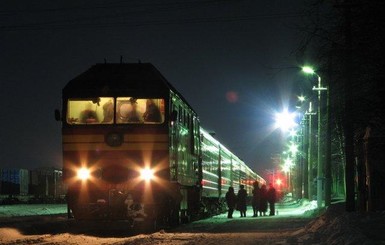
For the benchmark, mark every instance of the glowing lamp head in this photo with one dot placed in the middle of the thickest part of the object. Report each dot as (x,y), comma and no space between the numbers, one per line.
(285,120)
(83,173)
(308,70)
(278,182)
(147,174)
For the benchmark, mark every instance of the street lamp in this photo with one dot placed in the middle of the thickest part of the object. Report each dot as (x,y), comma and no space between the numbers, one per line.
(285,120)
(320,176)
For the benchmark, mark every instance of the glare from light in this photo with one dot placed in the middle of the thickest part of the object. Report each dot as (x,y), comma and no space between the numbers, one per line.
(147,174)
(285,120)
(286,168)
(288,164)
(293,148)
(293,133)
(308,70)
(278,182)
(83,173)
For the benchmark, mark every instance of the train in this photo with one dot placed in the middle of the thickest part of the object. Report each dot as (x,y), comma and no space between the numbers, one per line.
(134,149)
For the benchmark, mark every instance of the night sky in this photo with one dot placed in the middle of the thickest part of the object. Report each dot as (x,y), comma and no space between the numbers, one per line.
(233,60)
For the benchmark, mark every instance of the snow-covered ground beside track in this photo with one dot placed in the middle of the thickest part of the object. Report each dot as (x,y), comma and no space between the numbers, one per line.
(296,223)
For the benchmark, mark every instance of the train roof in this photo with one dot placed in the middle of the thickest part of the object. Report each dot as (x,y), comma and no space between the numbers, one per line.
(119,79)
(109,78)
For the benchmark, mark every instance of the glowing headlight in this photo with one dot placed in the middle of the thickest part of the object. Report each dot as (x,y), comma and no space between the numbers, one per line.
(146,174)
(83,173)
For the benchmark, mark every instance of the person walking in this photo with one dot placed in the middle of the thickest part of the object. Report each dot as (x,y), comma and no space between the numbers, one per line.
(231,200)
(271,198)
(263,201)
(241,204)
(256,199)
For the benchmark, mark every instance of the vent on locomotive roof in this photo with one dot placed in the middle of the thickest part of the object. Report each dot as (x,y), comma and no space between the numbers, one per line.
(121,60)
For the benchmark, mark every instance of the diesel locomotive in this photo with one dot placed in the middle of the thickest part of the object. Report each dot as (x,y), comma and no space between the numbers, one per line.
(133,149)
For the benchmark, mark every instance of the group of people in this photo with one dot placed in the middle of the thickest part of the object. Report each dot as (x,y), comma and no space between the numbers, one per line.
(131,114)
(127,112)
(262,197)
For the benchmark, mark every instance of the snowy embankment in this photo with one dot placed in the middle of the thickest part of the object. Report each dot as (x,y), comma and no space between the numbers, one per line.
(32,209)
(331,226)
(336,226)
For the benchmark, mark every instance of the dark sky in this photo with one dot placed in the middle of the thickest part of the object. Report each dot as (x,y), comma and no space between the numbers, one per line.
(205,48)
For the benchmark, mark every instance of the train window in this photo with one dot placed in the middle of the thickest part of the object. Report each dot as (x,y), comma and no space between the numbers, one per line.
(90,111)
(180,114)
(131,110)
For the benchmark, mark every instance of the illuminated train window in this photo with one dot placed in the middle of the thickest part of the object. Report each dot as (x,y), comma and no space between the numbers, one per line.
(138,110)
(129,110)
(90,111)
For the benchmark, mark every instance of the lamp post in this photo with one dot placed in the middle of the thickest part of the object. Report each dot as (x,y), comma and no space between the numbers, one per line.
(309,113)
(320,174)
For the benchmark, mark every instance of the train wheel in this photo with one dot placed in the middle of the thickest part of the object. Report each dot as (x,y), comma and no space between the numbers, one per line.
(184,217)
(147,225)
(152,222)
(79,214)
(152,225)
(174,216)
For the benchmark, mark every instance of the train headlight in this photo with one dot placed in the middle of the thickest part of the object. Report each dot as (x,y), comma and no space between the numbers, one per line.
(83,174)
(147,174)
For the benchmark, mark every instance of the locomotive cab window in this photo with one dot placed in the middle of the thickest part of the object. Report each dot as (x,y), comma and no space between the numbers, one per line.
(90,111)
(127,110)
(131,110)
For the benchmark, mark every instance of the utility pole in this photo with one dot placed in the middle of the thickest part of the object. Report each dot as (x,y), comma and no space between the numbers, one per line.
(328,174)
(320,165)
(310,114)
(304,158)
(348,128)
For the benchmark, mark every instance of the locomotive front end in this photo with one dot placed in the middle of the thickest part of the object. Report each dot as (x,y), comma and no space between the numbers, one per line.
(115,144)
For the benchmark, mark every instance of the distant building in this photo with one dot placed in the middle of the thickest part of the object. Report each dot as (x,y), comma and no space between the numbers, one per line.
(14,181)
(47,182)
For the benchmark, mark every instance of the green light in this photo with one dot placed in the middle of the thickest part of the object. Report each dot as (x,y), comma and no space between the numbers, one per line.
(288,163)
(293,133)
(293,148)
(301,98)
(285,168)
(308,69)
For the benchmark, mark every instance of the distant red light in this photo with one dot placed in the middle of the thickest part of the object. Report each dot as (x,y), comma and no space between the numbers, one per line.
(232,96)
(278,182)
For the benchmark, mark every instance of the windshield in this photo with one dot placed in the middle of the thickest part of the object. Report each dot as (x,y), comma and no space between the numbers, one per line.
(125,110)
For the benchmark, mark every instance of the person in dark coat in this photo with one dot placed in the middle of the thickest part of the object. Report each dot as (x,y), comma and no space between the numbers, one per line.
(263,201)
(271,198)
(133,115)
(231,200)
(89,115)
(152,113)
(256,199)
(241,204)
(108,112)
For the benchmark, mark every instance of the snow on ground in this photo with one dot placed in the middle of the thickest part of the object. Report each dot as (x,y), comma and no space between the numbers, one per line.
(32,209)
(289,208)
(335,226)
(296,223)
